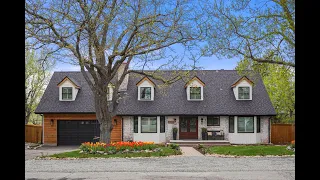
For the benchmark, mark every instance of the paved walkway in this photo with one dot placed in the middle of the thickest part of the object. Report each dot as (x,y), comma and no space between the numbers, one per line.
(190,151)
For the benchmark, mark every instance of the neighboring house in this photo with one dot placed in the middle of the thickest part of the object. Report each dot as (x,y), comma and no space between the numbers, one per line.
(236,108)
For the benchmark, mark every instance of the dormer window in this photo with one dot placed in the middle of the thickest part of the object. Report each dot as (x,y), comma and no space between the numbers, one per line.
(195,93)
(145,93)
(242,88)
(194,89)
(68,89)
(244,92)
(146,89)
(67,93)
(110,91)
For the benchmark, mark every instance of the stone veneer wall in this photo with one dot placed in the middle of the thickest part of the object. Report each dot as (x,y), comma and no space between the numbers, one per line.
(127,128)
(264,129)
(201,125)
(169,134)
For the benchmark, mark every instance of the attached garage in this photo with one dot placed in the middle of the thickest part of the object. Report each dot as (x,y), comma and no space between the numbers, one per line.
(76,132)
(74,129)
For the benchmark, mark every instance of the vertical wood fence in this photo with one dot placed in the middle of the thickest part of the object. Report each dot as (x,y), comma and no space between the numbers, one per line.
(33,133)
(282,133)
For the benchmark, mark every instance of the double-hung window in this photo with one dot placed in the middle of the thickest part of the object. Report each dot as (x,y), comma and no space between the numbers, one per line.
(145,93)
(245,124)
(67,93)
(195,92)
(148,124)
(244,92)
(213,121)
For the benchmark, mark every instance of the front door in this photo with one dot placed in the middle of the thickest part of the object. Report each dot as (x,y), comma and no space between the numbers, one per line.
(188,127)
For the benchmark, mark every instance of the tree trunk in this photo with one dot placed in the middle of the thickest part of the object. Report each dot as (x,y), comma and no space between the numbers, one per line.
(104,117)
(27,117)
(105,132)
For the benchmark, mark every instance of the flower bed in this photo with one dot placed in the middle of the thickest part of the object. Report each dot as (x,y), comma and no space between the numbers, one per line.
(119,147)
(292,146)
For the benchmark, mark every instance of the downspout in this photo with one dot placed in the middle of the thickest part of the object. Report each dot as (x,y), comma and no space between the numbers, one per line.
(121,128)
(42,128)
(269,130)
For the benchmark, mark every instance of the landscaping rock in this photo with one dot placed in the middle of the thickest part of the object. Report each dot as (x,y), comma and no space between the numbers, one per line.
(111,152)
(34,146)
(81,152)
(126,151)
(100,152)
(157,150)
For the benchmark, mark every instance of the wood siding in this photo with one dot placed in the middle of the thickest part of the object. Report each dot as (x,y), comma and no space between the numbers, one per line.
(282,133)
(33,133)
(116,134)
(50,131)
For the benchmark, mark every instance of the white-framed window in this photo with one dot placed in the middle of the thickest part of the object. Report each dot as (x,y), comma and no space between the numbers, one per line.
(149,124)
(67,93)
(213,121)
(145,93)
(245,124)
(244,92)
(195,93)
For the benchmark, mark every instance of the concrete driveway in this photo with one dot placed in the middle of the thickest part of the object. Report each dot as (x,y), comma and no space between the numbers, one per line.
(47,150)
(179,167)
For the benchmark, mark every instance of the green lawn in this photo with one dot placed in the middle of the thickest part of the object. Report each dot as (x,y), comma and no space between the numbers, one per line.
(75,154)
(249,150)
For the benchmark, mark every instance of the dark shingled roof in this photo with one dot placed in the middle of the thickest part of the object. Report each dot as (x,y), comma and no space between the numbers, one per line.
(218,97)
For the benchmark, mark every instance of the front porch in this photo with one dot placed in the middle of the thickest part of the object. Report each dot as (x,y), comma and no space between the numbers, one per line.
(194,142)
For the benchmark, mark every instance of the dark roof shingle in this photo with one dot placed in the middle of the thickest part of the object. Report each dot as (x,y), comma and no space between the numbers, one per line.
(172,100)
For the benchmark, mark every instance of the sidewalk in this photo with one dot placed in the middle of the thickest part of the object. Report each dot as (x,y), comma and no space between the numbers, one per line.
(190,151)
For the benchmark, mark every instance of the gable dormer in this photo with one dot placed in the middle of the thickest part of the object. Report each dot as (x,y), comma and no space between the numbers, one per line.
(68,89)
(110,91)
(242,88)
(194,89)
(146,89)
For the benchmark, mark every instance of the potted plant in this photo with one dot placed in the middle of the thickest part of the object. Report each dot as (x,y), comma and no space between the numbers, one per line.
(204,134)
(175,131)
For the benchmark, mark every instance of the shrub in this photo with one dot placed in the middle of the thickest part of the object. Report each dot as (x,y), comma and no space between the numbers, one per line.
(200,146)
(204,130)
(175,130)
(174,146)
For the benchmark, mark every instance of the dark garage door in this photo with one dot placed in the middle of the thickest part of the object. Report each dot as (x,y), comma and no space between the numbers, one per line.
(76,132)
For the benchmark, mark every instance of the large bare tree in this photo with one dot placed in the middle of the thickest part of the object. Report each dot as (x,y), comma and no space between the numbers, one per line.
(100,35)
(260,31)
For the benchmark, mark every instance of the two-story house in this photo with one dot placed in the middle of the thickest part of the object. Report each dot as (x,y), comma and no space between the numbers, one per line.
(236,108)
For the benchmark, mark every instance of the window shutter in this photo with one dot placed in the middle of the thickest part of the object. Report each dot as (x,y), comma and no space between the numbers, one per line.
(135,124)
(258,124)
(162,124)
(231,124)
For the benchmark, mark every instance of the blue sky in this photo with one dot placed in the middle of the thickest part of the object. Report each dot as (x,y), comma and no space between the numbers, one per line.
(207,63)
